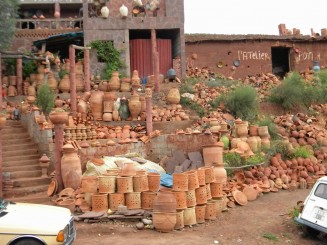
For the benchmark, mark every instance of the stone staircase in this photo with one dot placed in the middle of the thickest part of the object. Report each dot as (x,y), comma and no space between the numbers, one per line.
(20,157)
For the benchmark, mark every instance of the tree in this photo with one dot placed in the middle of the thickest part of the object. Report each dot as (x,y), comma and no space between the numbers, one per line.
(45,99)
(8,14)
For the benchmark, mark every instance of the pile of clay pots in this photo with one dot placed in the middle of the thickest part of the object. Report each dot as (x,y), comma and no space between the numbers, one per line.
(169,113)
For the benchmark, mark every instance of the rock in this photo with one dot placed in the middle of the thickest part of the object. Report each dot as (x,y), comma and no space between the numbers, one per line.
(140,226)
(147,221)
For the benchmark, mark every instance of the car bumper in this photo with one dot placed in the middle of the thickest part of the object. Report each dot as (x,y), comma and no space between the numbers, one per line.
(310,224)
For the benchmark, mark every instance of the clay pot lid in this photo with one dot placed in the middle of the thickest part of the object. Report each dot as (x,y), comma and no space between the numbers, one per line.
(97,161)
(44,158)
(52,188)
(250,193)
(274,189)
(111,143)
(240,197)
(84,144)
(68,147)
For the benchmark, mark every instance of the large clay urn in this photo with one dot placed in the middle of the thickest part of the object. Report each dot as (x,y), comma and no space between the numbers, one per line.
(165,201)
(220,173)
(64,85)
(213,153)
(134,106)
(52,82)
(79,82)
(114,83)
(58,117)
(136,80)
(173,96)
(96,103)
(71,170)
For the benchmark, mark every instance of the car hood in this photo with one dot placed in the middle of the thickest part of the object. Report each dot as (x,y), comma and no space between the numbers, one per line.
(28,218)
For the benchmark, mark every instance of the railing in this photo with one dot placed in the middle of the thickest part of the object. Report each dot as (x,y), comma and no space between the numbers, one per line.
(52,1)
(68,23)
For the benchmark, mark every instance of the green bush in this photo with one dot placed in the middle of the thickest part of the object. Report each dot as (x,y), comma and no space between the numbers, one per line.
(277,146)
(302,151)
(45,99)
(232,159)
(255,159)
(193,106)
(294,93)
(242,102)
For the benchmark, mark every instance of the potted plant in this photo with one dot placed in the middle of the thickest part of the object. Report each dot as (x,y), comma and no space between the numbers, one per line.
(45,99)
(58,116)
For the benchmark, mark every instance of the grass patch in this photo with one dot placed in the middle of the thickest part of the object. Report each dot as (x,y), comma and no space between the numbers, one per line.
(270,236)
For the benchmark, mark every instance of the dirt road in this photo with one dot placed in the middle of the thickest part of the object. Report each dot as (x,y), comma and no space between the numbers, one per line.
(263,221)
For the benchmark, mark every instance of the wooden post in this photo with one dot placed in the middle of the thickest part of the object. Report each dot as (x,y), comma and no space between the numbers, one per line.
(155,60)
(59,141)
(148,105)
(73,96)
(19,72)
(87,70)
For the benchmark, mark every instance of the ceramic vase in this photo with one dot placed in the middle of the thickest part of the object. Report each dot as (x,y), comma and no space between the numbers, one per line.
(71,170)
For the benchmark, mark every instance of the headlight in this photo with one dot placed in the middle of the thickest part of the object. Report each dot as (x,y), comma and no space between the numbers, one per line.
(62,235)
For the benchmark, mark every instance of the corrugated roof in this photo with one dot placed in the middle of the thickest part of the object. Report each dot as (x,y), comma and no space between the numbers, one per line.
(192,38)
(66,37)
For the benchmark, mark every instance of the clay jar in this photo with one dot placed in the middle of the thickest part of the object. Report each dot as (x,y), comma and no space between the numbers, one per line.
(213,153)
(114,83)
(163,221)
(125,84)
(135,80)
(52,82)
(79,82)
(165,201)
(220,173)
(173,96)
(134,106)
(71,170)
(96,104)
(64,85)
(128,169)
(242,130)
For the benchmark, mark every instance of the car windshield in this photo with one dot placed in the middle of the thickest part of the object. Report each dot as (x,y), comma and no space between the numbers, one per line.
(3,204)
(321,191)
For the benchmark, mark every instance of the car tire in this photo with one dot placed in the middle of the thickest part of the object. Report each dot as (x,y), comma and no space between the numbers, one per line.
(28,241)
(311,232)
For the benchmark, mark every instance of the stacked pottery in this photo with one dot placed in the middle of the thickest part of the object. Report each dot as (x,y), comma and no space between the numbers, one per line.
(108,105)
(164,211)
(134,106)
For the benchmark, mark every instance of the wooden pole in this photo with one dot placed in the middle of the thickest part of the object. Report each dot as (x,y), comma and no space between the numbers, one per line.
(87,70)
(73,96)
(155,60)
(59,141)
(19,72)
(148,105)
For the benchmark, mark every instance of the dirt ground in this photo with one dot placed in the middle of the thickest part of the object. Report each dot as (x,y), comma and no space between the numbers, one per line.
(247,225)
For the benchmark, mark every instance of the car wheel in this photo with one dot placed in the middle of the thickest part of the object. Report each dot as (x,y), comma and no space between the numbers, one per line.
(311,232)
(28,241)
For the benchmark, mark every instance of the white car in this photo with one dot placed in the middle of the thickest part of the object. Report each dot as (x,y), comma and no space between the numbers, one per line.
(35,224)
(314,213)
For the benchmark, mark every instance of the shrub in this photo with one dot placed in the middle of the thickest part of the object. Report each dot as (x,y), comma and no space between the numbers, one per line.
(45,99)
(302,151)
(192,105)
(242,102)
(272,127)
(232,159)
(277,146)
(294,93)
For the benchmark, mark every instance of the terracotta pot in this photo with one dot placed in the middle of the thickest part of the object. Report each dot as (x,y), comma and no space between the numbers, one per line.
(180,182)
(164,221)
(89,184)
(193,181)
(140,183)
(180,199)
(242,130)
(220,204)
(212,153)
(134,106)
(128,169)
(64,84)
(116,199)
(107,183)
(124,184)
(71,170)
(200,211)
(68,203)
(220,173)
(179,220)
(133,200)
(201,195)
(216,190)
(190,198)
(263,131)
(189,216)
(125,84)
(58,117)
(52,82)
(135,80)
(154,181)
(165,201)
(253,130)
(96,104)
(211,211)
(99,202)
(253,143)
(201,176)
(173,96)
(209,174)
(234,142)
(208,191)
(147,198)
(114,83)
(79,80)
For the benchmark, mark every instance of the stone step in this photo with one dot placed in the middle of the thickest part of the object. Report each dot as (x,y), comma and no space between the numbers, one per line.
(21,146)
(14,136)
(20,163)
(26,157)
(20,192)
(11,130)
(13,141)
(25,174)
(37,198)
(31,182)
(12,169)
(20,152)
